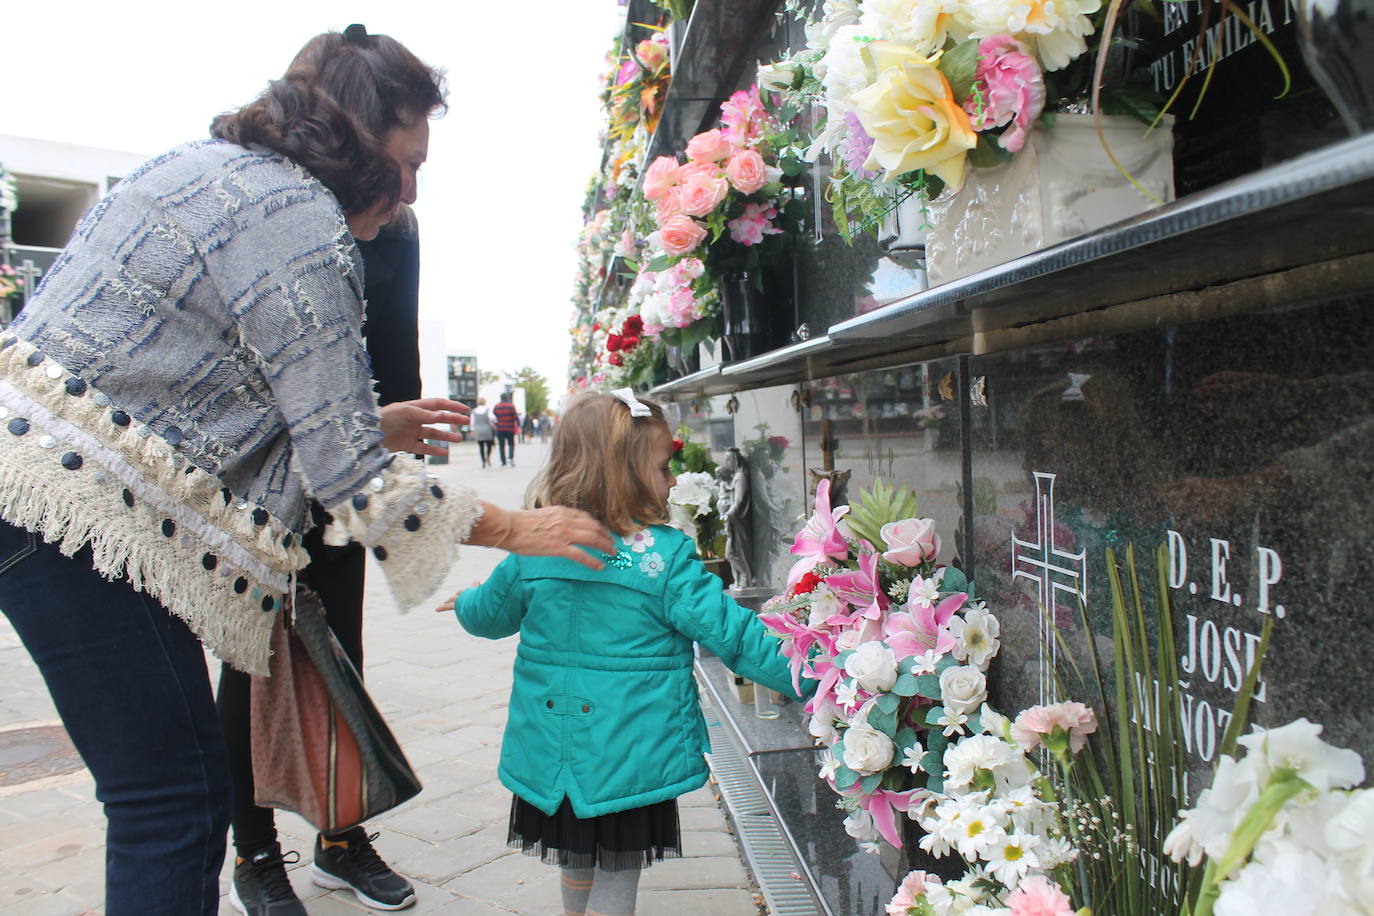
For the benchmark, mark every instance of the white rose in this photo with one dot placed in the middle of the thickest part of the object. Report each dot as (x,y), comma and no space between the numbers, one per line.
(859,825)
(867,750)
(874,666)
(963,689)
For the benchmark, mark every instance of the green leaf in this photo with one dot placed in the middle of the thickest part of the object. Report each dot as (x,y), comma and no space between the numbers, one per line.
(662,262)
(953,580)
(946,662)
(988,153)
(870,782)
(905,686)
(934,764)
(888,702)
(906,738)
(885,722)
(936,782)
(974,724)
(791,165)
(959,65)
(934,714)
(928,686)
(936,742)
(845,778)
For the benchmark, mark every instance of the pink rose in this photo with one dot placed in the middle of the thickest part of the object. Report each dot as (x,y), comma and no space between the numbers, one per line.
(1012,89)
(702,195)
(679,235)
(661,176)
(910,541)
(1038,896)
(747,171)
(696,169)
(668,206)
(709,146)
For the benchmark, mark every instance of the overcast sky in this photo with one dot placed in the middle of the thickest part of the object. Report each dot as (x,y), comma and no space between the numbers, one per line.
(500,196)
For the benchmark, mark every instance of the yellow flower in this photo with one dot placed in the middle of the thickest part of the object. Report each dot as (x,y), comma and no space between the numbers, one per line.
(911,114)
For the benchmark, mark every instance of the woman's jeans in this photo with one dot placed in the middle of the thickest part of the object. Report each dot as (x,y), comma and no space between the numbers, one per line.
(130,683)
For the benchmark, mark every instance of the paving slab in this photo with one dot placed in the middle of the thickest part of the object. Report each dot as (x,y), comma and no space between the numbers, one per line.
(445,695)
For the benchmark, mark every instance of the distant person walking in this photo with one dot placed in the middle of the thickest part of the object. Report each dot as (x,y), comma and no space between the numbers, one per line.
(482,431)
(506,422)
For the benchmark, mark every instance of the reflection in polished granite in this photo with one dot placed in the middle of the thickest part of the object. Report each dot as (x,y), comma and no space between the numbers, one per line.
(1244,444)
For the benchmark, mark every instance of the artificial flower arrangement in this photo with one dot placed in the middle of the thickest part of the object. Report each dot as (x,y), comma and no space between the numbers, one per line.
(915,92)
(11,284)
(1282,829)
(725,210)
(898,647)
(692,502)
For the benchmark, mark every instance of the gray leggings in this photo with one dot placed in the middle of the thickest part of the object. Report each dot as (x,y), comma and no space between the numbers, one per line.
(593,892)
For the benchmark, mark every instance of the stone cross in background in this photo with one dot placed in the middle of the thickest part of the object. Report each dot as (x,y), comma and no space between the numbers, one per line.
(29,272)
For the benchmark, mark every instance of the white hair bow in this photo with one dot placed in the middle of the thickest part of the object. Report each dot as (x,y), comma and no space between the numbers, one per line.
(637,407)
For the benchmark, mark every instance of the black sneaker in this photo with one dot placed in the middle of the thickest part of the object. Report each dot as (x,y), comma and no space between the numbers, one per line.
(354,864)
(261,887)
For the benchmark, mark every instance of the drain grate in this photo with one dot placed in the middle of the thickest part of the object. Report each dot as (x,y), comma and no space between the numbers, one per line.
(770,856)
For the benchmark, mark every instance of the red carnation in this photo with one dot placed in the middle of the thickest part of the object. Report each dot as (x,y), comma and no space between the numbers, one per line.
(634,326)
(614,342)
(628,343)
(807,584)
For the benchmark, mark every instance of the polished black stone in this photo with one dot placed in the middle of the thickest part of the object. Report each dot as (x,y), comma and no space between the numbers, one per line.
(240,585)
(119,418)
(379,552)
(412,523)
(18,426)
(35,357)
(75,387)
(260,516)
(169,527)
(209,561)
(288,539)
(435,491)
(173,435)
(128,499)
(71,461)
(269,603)
(360,501)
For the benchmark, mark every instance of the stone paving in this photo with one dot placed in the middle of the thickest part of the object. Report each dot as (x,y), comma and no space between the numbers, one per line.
(444,694)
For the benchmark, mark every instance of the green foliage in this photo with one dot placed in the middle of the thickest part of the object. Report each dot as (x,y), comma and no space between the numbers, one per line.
(959,65)
(536,390)
(876,506)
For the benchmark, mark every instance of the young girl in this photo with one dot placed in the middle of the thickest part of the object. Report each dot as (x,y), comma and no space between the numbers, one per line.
(605,727)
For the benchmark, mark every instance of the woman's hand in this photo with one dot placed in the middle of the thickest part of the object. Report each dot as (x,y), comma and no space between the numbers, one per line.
(551,532)
(405,425)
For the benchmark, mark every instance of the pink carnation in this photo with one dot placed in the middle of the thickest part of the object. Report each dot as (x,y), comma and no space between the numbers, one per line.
(709,146)
(1008,88)
(681,309)
(661,176)
(753,224)
(912,889)
(1038,896)
(1034,725)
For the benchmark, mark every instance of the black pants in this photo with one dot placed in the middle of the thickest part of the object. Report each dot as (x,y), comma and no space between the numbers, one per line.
(484,450)
(336,575)
(506,441)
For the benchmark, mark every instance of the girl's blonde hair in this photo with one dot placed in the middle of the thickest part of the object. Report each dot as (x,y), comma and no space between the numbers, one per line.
(602,462)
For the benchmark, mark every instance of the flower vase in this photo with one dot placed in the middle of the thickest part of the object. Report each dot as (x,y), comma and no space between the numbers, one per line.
(683,362)
(1337,42)
(1060,185)
(904,226)
(742,316)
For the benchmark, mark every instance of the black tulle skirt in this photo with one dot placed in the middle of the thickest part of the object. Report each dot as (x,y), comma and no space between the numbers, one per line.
(612,842)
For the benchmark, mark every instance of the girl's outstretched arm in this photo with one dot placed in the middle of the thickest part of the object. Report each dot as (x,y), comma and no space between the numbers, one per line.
(495,608)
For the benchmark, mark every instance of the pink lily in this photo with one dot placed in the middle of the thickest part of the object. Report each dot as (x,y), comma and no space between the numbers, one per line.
(820,538)
(883,805)
(798,638)
(919,629)
(828,674)
(860,587)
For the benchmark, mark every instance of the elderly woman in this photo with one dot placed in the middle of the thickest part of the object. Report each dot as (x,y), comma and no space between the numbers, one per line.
(189,376)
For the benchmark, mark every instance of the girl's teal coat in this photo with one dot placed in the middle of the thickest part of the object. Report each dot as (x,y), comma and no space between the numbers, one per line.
(604,708)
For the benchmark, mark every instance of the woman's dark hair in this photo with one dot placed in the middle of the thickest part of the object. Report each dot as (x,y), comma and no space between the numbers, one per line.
(332,110)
